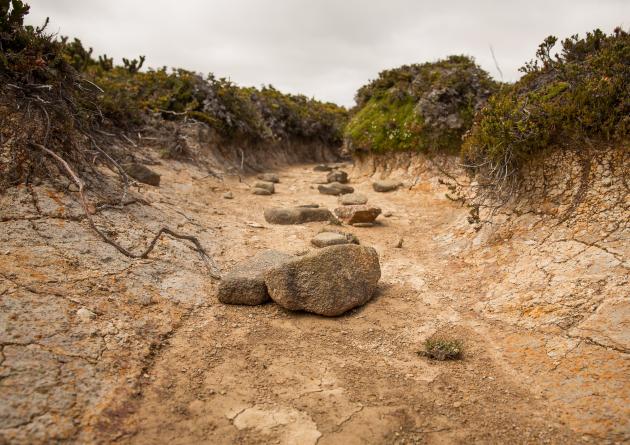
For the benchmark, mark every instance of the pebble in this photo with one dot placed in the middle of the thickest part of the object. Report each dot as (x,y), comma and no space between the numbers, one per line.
(85,314)
(228,195)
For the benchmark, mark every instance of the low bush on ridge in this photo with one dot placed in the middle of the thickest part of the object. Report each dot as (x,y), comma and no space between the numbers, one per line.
(54,93)
(571,99)
(424,107)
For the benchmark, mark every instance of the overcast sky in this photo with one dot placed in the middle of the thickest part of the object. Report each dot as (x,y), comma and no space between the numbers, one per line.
(322,48)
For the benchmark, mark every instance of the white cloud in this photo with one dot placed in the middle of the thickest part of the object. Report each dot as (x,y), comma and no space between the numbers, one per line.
(321,48)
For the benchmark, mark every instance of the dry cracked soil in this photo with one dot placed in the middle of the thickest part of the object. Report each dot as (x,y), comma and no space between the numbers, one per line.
(99,348)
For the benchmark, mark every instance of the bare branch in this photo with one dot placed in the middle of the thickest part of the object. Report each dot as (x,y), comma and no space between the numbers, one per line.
(210,265)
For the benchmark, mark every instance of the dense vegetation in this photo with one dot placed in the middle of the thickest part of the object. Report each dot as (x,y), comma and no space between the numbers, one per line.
(574,98)
(256,114)
(424,107)
(53,92)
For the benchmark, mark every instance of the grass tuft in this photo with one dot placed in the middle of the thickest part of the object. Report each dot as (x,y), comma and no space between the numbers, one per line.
(443,348)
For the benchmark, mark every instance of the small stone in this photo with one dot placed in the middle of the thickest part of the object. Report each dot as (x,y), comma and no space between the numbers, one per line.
(297,215)
(353,214)
(245,283)
(261,192)
(335,189)
(85,314)
(142,173)
(265,186)
(399,243)
(269,177)
(386,185)
(366,224)
(322,168)
(328,281)
(228,195)
(337,176)
(353,199)
(388,214)
(325,239)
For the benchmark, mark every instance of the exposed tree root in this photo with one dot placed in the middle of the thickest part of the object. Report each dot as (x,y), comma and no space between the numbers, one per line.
(210,264)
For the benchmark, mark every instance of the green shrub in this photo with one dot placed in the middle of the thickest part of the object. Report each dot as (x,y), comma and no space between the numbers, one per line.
(425,107)
(577,96)
(443,348)
(56,93)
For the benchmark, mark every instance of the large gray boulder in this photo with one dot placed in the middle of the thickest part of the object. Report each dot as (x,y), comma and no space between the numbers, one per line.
(245,284)
(353,199)
(329,281)
(357,214)
(386,185)
(142,173)
(335,189)
(297,215)
(269,177)
(337,176)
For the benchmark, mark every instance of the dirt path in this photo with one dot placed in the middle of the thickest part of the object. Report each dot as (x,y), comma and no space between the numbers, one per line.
(265,375)
(157,359)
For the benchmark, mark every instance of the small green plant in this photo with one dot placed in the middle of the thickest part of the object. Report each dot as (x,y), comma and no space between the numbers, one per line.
(442,348)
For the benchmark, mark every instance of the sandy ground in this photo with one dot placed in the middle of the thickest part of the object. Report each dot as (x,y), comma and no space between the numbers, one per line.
(162,361)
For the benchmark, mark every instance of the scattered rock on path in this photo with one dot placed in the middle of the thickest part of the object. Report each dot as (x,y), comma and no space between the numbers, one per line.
(322,168)
(265,186)
(337,176)
(262,192)
(325,239)
(353,214)
(228,195)
(335,188)
(365,224)
(329,281)
(297,215)
(245,284)
(399,243)
(353,199)
(386,185)
(269,177)
(142,173)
